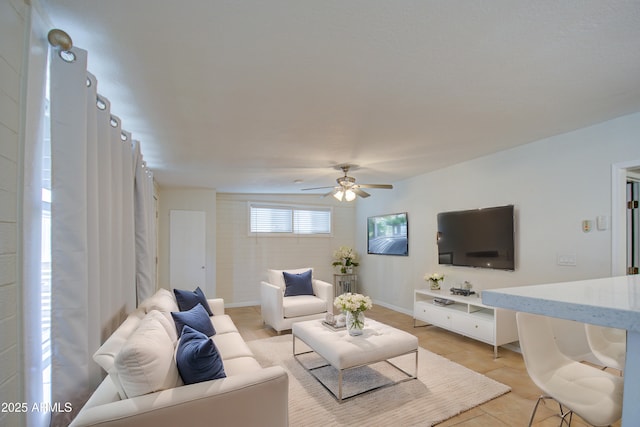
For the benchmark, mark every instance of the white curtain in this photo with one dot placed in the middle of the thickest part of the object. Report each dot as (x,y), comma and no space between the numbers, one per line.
(95,209)
(34,362)
(145,220)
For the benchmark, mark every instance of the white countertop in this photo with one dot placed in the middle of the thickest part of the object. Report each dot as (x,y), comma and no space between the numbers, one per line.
(612,301)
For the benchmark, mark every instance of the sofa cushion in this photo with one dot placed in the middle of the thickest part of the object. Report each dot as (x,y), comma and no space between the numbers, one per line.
(188,299)
(146,363)
(303,305)
(163,300)
(231,345)
(197,357)
(275,277)
(297,283)
(223,324)
(241,365)
(196,318)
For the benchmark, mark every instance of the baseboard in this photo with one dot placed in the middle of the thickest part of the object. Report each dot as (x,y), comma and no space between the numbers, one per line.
(394,308)
(513,346)
(381,303)
(242,304)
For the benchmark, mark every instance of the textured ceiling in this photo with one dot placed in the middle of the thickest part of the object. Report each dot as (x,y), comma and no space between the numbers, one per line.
(248,96)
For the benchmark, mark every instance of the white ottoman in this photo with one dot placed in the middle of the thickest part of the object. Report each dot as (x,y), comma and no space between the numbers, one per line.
(379,342)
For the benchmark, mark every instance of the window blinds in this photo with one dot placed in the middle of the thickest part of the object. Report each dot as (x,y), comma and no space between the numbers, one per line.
(289,219)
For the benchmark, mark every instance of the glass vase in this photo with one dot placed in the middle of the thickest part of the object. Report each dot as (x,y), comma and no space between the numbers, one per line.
(355,322)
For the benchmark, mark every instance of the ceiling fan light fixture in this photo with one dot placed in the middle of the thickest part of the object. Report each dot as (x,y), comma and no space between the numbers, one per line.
(347,189)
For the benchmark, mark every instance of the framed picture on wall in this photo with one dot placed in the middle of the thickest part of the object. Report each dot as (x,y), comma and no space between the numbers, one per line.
(388,234)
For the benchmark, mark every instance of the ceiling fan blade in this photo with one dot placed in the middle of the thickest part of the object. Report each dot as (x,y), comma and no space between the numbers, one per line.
(385,186)
(317,188)
(330,193)
(359,192)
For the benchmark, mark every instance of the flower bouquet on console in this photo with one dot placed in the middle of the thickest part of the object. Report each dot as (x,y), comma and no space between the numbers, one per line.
(434,280)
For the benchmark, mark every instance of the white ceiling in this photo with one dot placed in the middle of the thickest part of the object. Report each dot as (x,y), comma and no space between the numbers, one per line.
(248,96)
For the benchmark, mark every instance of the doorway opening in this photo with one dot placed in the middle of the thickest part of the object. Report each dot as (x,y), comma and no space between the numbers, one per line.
(633,221)
(625,218)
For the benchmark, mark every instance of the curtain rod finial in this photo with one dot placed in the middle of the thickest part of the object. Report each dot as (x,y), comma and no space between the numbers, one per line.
(59,38)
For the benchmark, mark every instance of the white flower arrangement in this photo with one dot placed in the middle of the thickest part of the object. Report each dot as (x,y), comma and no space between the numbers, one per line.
(435,279)
(354,303)
(345,257)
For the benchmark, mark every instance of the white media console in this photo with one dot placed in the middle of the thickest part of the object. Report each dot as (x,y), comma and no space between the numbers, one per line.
(466,315)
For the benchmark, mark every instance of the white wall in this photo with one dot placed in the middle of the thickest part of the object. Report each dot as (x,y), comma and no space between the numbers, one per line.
(13,23)
(554,183)
(193,199)
(242,260)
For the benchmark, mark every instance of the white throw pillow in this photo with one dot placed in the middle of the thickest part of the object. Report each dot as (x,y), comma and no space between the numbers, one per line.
(167,324)
(163,300)
(146,362)
(105,356)
(275,277)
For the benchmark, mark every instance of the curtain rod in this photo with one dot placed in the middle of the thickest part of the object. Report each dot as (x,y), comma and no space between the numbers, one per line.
(59,38)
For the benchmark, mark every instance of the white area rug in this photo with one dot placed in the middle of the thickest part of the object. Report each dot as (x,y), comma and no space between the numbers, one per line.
(443,389)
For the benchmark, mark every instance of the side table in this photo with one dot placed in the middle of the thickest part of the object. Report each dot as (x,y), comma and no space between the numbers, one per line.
(343,283)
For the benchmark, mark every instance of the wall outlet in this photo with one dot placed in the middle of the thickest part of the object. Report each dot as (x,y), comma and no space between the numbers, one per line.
(566,259)
(587,225)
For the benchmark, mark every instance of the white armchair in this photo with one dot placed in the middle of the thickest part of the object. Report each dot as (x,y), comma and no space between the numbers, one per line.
(282,312)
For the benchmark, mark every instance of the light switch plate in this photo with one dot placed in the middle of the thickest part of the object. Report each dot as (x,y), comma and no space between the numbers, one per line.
(601,222)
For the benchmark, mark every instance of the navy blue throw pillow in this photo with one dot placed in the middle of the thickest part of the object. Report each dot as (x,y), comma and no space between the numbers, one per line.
(187,300)
(196,318)
(297,284)
(197,357)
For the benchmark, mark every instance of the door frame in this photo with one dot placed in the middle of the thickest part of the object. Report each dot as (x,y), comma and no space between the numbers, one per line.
(619,172)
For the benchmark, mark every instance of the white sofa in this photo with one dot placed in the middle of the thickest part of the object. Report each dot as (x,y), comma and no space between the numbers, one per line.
(249,395)
(282,312)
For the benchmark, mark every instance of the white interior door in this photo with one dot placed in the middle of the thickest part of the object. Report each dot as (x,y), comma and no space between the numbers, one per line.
(187,248)
(633,226)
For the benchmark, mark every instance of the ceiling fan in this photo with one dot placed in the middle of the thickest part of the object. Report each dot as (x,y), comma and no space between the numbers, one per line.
(347,189)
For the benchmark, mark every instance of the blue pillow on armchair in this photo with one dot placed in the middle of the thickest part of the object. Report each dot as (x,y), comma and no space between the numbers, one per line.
(198,358)
(298,284)
(187,300)
(196,318)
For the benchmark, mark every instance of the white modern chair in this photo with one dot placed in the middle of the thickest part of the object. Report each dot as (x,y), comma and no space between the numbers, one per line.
(609,345)
(282,312)
(594,395)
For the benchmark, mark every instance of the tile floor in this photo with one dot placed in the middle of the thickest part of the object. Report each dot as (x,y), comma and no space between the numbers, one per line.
(510,410)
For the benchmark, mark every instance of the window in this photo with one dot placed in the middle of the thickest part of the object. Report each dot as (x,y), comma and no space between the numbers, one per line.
(289,220)
(312,221)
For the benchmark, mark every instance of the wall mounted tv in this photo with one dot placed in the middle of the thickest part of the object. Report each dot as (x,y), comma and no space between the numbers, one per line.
(477,238)
(388,234)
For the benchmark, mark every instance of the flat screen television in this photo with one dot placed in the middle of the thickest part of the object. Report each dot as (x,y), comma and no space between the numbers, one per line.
(388,234)
(477,238)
